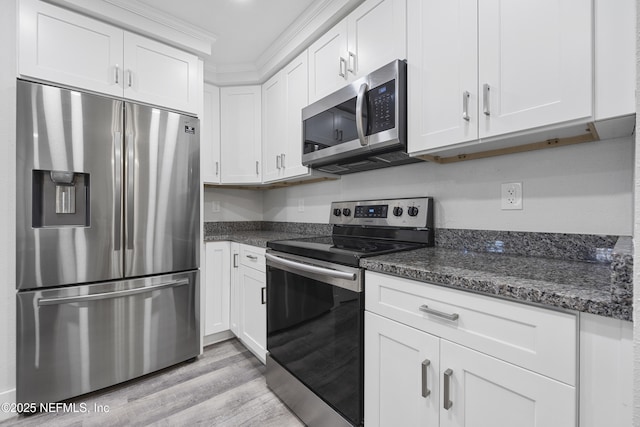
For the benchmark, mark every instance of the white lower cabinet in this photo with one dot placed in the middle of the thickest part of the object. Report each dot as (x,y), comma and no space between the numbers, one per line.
(426,369)
(401,374)
(252,294)
(235,295)
(216,287)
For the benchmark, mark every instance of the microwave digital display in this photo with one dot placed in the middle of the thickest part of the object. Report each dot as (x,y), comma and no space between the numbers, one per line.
(382,108)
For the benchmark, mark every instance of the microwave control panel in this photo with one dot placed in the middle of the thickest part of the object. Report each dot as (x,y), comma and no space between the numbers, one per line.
(382,108)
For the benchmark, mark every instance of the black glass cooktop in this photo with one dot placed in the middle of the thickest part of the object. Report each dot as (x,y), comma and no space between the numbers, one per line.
(340,249)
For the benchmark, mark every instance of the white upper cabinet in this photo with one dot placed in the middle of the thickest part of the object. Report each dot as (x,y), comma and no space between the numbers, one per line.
(210,135)
(73,50)
(159,74)
(534,64)
(615,66)
(369,37)
(240,135)
(492,68)
(64,47)
(442,73)
(283,98)
(273,132)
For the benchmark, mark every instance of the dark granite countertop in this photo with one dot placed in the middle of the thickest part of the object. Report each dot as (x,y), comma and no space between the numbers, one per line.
(575,285)
(253,237)
(586,273)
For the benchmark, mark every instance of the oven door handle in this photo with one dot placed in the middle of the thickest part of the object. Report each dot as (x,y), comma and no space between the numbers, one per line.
(312,268)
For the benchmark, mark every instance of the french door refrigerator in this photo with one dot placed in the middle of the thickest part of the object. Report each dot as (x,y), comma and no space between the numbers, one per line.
(107,241)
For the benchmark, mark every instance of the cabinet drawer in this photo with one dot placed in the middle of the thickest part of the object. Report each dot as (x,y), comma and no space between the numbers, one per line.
(253,257)
(544,341)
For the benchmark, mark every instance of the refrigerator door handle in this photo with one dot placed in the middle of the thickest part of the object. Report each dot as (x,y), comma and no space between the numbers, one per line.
(110,295)
(130,190)
(117,191)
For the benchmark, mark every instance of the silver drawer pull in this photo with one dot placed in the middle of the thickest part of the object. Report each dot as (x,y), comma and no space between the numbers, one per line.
(453,317)
(252,257)
(447,403)
(425,365)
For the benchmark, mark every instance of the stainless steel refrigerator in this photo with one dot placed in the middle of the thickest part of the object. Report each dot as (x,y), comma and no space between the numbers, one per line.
(107,254)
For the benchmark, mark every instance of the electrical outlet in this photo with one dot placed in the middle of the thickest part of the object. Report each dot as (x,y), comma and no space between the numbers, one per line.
(300,205)
(511,196)
(215,206)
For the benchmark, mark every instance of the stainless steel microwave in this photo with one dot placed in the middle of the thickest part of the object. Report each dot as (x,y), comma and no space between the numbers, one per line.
(362,126)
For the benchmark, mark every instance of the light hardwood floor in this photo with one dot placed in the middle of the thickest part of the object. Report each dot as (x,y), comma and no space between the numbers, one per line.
(225,386)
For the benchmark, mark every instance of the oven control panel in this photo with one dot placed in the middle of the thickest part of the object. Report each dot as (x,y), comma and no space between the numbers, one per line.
(409,212)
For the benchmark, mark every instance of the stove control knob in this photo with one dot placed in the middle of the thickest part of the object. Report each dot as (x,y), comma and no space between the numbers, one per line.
(412,211)
(346,212)
(337,212)
(397,211)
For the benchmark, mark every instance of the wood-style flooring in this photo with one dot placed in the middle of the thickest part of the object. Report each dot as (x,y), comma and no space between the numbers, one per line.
(225,386)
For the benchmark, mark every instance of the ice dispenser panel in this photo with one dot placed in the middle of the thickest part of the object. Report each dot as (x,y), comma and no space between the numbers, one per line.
(60,199)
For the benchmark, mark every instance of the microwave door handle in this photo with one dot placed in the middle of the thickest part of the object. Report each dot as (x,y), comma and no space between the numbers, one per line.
(360,107)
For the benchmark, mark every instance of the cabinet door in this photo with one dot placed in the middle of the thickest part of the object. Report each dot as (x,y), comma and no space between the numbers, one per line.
(273,127)
(485,391)
(210,135)
(377,35)
(253,313)
(442,73)
(295,78)
(70,49)
(240,130)
(400,374)
(234,310)
(160,75)
(216,287)
(532,77)
(328,62)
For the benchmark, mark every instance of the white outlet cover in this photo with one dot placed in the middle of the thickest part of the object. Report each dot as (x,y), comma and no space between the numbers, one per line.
(511,196)
(300,205)
(215,206)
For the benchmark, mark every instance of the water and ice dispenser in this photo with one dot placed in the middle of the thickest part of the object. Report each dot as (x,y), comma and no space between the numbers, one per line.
(60,199)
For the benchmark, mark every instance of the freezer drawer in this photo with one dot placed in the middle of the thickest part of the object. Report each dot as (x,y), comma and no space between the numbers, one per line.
(79,339)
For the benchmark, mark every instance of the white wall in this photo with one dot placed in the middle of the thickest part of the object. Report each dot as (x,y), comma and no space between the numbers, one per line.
(8,205)
(585,188)
(235,205)
(636,244)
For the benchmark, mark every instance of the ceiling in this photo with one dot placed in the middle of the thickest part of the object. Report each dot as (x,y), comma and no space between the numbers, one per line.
(243,29)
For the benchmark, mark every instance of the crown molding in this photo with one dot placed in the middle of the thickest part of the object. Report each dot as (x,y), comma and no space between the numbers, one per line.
(316,20)
(140,18)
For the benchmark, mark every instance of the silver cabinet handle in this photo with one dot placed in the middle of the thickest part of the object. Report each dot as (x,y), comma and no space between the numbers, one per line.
(129,78)
(217,168)
(360,107)
(117,74)
(252,257)
(117,190)
(311,268)
(337,134)
(257,167)
(343,68)
(263,295)
(110,295)
(235,260)
(282,160)
(425,367)
(278,162)
(486,99)
(453,317)
(465,105)
(447,403)
(352,66)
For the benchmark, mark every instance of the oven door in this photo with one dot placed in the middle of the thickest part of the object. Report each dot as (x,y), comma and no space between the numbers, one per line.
(315,326)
